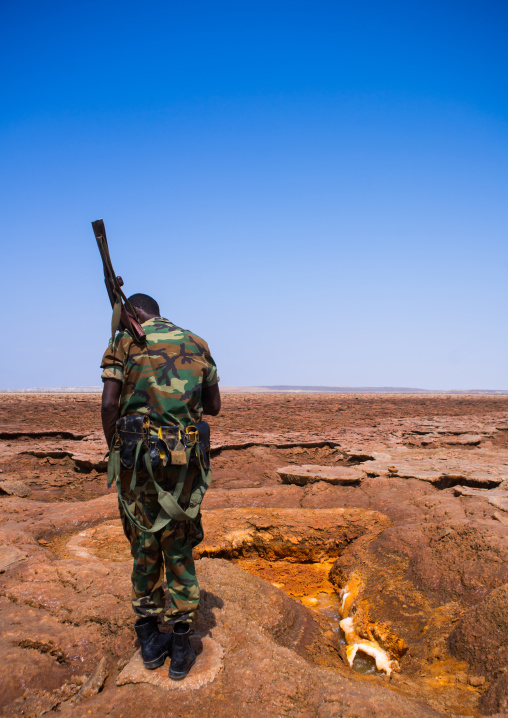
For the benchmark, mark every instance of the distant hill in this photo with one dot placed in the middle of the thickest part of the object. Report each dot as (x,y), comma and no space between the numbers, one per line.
(355,390)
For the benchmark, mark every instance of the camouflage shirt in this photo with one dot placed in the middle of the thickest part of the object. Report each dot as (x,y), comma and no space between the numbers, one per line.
(163,377)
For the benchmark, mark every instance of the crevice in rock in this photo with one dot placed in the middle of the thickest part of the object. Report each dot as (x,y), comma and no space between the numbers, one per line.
(47,648)
(42,435)
(274,551)
(49,454)
(82,466)
(448,482)
(218,450)
(350,456)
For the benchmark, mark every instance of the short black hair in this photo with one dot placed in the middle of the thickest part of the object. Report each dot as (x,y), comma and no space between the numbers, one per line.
(146,303)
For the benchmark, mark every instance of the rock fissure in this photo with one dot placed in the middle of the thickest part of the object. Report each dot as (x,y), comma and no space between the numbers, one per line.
(449,482)
(47,648)
(83,466)
(218,450)
(5,435)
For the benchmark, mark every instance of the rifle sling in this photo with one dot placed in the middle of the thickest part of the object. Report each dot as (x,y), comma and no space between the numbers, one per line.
(119,295)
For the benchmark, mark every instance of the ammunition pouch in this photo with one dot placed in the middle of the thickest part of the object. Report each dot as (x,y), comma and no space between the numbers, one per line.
(129,429)
(168,445)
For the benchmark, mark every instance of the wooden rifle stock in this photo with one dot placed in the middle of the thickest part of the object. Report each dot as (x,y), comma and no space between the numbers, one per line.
(124,314)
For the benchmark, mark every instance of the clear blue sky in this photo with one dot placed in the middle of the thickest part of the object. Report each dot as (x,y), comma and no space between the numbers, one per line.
(317,188)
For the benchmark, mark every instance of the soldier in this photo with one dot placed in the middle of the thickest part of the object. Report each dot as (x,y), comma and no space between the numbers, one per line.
(169,381)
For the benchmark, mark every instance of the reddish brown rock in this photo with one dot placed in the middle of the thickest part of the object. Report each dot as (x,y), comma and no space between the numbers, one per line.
(441,473)
(480,637)
(494,702)
(10,555)
(276,496)
(11,487)
(495,497)
(425,527)
(310,474)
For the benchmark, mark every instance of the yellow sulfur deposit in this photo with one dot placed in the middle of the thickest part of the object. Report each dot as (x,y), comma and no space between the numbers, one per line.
(349,594)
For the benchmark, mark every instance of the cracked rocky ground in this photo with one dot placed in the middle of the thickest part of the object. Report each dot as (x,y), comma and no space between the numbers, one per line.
(400,502)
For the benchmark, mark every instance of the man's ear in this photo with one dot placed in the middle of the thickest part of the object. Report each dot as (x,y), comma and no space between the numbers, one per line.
(141,315)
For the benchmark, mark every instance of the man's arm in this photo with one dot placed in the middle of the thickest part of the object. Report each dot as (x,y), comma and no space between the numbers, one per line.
(110,407)
(211,399)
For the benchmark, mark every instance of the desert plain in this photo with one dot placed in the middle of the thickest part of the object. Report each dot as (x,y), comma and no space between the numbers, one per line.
(390,511)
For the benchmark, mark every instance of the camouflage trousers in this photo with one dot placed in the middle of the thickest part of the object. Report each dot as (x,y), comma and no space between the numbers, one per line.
(165,555)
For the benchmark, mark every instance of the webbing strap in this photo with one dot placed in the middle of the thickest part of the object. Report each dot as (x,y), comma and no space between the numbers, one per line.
(115,318)
(114,465)
(170,505)
(135,468)
(170,508)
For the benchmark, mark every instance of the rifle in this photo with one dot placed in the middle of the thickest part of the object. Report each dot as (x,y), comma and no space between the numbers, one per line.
(124,314)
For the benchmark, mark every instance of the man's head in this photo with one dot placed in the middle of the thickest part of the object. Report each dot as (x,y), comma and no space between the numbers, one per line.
(146,307)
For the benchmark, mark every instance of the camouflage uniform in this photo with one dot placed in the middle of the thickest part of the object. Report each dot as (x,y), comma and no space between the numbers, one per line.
(163,378)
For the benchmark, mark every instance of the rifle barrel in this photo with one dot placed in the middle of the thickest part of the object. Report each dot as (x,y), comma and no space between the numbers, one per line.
(128,316)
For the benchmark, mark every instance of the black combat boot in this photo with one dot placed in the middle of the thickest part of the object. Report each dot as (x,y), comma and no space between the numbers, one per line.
(183,656)
(155,646)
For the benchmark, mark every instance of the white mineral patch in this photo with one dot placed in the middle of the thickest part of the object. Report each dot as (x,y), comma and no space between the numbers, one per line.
(371,648)
(77,544)
(382,661)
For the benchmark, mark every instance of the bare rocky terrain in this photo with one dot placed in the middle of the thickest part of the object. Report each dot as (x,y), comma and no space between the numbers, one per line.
(389,512)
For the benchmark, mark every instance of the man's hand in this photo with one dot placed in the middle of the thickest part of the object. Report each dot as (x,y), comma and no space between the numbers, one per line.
(210,399)
(110,407)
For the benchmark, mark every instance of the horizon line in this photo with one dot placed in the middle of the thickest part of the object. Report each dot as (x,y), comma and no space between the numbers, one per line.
(275,388)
